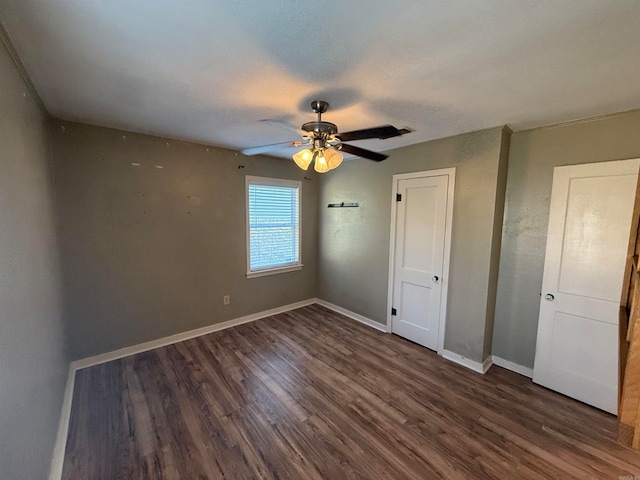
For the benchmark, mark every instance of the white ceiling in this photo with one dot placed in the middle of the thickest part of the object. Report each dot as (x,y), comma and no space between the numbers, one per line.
(209,71)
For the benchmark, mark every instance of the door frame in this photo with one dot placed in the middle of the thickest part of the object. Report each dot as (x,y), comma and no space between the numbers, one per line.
(451,172)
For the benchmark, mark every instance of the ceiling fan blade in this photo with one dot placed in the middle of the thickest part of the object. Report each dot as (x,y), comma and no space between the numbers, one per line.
(385,131)
(270,148)
(361,152)
(283,124)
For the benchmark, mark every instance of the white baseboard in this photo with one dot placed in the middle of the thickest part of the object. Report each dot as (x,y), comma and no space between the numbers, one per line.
(179,337)
(514,367)
(57,460)
(354,316)
(486,365)
(467,362)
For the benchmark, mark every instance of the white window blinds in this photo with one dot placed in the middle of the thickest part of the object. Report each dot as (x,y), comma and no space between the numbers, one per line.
(273,223)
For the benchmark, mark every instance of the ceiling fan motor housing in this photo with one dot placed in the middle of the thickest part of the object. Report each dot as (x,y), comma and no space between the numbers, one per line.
(320,129)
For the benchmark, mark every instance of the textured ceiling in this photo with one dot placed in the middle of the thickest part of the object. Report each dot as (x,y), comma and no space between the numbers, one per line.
(209,71)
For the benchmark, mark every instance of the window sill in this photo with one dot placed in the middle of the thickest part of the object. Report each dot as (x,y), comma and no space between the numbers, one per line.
(274,271)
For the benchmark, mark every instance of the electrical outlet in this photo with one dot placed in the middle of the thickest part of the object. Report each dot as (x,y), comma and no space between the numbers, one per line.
(226,299)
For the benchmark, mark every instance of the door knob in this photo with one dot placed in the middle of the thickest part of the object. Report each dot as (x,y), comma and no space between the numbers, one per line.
(549,297)
(435,278)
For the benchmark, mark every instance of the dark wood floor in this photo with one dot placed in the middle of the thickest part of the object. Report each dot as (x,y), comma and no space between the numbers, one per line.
(310,394)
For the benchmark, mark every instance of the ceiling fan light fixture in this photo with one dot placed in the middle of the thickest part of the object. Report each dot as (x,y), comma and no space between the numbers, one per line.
(323,159)
(303,158)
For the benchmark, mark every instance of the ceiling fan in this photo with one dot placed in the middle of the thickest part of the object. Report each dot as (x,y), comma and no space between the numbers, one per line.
(324,142)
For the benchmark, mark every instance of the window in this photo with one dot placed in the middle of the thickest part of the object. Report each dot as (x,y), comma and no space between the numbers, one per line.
(273,226)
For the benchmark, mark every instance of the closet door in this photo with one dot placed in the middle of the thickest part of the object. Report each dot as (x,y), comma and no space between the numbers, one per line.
(587,240)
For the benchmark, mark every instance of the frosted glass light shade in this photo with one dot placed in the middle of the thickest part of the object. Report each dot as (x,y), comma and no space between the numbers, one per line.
(321,165)
(333,158)
(303,158)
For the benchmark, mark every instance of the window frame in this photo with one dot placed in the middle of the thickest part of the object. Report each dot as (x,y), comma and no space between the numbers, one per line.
(275,182)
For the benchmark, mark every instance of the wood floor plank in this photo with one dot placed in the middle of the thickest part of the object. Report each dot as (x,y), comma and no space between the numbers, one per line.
(311,394)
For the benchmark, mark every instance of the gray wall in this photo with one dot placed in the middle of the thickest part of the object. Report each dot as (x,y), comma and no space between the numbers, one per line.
(150,252)
(353,250)
(533,155)
(33,364)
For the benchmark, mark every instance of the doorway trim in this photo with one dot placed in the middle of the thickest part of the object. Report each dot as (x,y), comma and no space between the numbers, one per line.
(451,172)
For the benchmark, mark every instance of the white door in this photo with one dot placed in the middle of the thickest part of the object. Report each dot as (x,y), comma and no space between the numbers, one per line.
(589,225)
(420,241)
